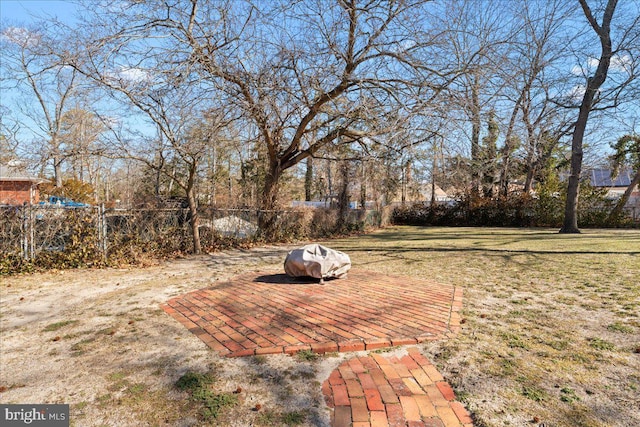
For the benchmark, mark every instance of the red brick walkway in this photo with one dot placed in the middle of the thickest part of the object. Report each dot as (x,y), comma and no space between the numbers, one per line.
(262,313)
(379,391)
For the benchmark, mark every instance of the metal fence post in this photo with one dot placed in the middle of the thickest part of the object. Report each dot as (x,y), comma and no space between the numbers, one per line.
(101,230)
(32,233)
(95,212)
(24,248)
(103,216)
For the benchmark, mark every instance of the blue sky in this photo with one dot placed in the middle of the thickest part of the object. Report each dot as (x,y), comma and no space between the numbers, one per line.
(22,11)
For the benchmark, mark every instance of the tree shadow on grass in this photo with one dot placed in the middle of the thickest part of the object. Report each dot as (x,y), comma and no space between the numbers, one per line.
(501,236)
(491,250)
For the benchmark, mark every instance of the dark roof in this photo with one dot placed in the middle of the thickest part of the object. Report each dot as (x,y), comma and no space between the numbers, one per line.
(602,178)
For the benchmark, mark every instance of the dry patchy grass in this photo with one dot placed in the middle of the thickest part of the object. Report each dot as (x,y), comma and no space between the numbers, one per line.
(98,341)
(551,332)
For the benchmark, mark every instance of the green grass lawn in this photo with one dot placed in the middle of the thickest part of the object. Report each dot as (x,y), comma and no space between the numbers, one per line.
(551,332)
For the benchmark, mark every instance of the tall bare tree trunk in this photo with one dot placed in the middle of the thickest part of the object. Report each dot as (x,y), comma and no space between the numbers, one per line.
(343,199)
(475,143)
(267,216)
(193,211)
(363,187)
(308,180)
(57,161)
(57,170)
(570,224)
(507,151)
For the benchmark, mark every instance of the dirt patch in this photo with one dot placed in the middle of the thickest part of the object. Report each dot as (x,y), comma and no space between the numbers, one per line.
(98,340)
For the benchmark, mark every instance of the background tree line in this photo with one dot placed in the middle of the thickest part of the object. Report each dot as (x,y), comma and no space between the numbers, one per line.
(242,103)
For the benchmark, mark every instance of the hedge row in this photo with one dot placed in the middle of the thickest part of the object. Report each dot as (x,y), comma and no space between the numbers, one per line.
(521,211)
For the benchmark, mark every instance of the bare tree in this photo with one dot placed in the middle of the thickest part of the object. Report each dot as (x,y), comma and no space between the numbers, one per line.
(153,80)
(185,135)
(80,131)
(603,31)
(536,49)
(335,70)
(8,137)
(478,35)
(34,69)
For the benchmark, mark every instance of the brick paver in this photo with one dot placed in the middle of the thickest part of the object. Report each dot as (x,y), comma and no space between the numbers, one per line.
(433,404)
(263,313)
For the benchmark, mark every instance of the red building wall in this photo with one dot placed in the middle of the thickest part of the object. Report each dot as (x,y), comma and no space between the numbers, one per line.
(18,193)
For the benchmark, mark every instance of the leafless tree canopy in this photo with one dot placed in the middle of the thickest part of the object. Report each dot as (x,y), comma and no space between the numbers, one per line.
(222,101)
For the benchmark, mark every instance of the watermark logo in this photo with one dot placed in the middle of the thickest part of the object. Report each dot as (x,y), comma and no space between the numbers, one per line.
(34,415)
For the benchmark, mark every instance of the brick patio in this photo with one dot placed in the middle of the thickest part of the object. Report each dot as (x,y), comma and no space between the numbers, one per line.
(390,391)
(267,312)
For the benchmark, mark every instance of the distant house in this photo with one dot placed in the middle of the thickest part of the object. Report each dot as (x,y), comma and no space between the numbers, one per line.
(17,187)
(615,185)
(440,195)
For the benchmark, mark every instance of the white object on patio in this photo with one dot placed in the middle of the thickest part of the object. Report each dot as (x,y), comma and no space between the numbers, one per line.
(317,261)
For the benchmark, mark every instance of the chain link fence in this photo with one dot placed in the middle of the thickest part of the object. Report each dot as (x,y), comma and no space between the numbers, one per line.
(30,229)
(84,235)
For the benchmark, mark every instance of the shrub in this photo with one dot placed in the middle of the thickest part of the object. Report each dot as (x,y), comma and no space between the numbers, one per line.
(513,212)
(519,210)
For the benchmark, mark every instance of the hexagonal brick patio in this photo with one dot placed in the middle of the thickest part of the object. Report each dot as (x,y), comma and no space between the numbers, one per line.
(268,312)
